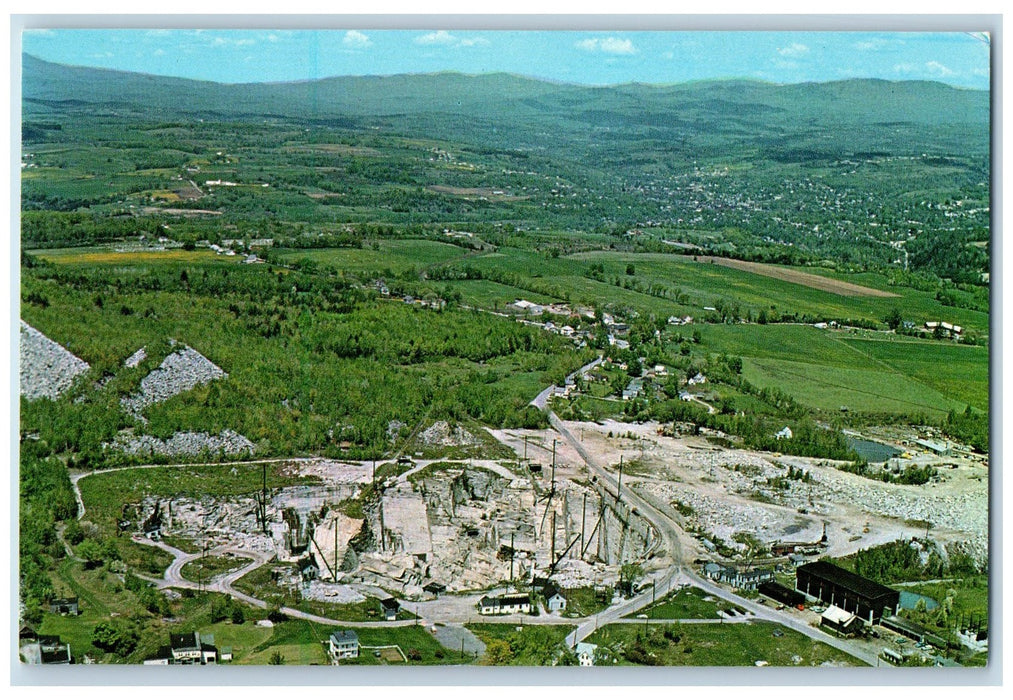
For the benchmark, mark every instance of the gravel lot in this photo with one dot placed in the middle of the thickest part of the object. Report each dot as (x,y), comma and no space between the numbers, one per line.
(47,368)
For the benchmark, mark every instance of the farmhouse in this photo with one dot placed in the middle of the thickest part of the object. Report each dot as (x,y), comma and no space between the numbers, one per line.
(833,585)
(343,644)
(633,389)
(698,378)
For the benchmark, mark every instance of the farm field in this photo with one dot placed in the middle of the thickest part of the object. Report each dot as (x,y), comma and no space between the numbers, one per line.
(959,372)
(394,255)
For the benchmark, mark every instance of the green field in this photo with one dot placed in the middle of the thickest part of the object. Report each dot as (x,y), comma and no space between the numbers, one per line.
(959,372)
(686,604)
(393,255)
(739,644)
(207,568)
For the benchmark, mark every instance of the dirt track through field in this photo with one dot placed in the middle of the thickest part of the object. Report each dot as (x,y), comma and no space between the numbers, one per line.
(806,279)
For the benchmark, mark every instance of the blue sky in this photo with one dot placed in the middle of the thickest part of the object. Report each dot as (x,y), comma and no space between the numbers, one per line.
(589,57)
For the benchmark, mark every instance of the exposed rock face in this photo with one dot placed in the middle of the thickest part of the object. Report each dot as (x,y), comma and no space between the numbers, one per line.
(441,434)
(180,371)
(47,368)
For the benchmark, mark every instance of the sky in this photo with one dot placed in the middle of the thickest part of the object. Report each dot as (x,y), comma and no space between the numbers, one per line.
(586,57)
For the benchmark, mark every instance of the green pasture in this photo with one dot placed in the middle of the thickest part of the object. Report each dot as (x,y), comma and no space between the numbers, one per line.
(960,372)
(394,255)
(830,387)
(707,282)
(738,644)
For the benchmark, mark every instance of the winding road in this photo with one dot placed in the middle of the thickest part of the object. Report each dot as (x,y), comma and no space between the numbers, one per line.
(457,610)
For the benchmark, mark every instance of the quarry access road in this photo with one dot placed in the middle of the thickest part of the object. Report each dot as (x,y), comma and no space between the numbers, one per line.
(662,584)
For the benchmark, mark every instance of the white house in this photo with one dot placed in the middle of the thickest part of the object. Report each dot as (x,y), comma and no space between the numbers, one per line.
(784,433)
(697,379)
(554,600)
(585,653)
(343,644)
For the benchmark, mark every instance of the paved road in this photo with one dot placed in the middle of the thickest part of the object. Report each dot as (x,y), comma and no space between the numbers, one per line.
(542,400)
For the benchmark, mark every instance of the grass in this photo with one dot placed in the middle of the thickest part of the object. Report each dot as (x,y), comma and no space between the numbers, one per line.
(740,644)
(685,604)
(300,642)
(582,602)
(209,567)
(408,638)
(394,255)
(829,387)
(959,372)
(530,645)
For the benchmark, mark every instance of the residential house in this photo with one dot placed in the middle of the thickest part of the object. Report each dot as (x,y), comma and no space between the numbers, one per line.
(225,654)
(190,649)
(698,378)
(554,599)
(585,653)
(784,433)
(343,644)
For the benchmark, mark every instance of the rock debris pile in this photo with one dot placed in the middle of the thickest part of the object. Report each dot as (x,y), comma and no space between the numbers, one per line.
(180,371)
(136,359)
(228,442)
(47,368)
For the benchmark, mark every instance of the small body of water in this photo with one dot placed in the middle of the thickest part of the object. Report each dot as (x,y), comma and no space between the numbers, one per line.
(870,451)
(909,601)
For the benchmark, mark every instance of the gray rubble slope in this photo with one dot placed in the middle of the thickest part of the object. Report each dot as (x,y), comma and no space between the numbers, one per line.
(47,368)
(180,371)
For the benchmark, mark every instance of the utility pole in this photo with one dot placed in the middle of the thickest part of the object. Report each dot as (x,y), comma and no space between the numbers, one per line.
(511,556)
(552,559)
(583,523)
(525,449)
(619,488)
(335,548)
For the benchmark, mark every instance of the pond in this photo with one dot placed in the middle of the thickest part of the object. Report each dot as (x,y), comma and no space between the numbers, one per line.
(909,600)
(872,452)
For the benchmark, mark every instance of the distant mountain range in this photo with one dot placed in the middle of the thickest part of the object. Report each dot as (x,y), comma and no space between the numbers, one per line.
(500,96)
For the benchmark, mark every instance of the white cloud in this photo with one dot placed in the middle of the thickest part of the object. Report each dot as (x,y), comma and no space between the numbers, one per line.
(441,37)
(445,38)
(610,44)
(937,68)
(356,40)
(793,51)
(222,41)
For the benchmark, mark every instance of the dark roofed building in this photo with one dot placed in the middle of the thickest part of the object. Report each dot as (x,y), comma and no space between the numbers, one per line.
(782,594)
(434,588)
(390,608)
(64,606)
(833,585)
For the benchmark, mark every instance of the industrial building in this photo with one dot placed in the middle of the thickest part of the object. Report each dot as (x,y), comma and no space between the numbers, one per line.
(832,585)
